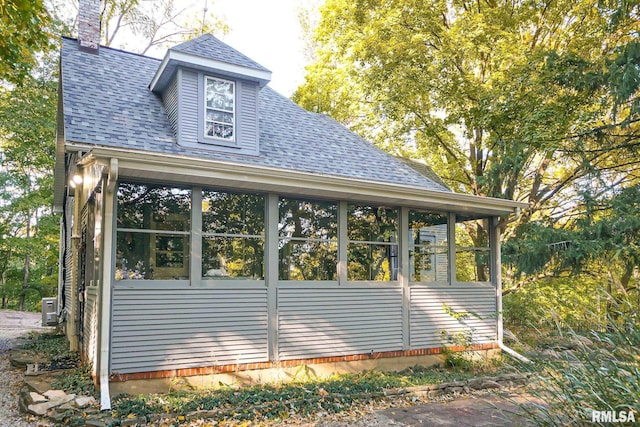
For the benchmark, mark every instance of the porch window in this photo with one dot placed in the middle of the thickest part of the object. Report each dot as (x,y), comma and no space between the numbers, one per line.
(308,239)
(219,109)
(472,250)
(372,246)
(428,250)
(233,235)
(152,234)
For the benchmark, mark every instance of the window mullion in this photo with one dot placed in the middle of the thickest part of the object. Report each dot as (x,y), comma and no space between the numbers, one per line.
(342,243)
(196,236)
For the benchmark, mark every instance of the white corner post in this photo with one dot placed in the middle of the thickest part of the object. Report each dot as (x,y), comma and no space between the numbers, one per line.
(496,271)
(403,275)
(108,252)
(343,237)
(271,243)
(195,254)
(451,248)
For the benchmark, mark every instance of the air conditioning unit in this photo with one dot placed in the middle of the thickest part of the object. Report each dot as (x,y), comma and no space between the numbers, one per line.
(49,311)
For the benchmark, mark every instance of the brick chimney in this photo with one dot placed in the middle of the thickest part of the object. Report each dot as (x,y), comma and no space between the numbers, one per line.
(89,25)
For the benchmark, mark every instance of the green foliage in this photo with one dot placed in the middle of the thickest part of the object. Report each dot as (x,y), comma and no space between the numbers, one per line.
(569,300)
(486,93)
(601,372)
(24,32)
(28,228)
(503,99)
(304,398)
(49,345)
(603,242)
(78,382)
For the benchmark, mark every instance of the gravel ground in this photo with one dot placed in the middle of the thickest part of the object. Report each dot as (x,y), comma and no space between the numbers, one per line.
(13,325)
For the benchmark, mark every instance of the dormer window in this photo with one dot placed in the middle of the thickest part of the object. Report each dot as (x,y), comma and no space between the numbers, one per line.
(219,109)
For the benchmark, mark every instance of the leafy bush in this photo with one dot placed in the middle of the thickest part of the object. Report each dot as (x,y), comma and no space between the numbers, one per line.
(572,301)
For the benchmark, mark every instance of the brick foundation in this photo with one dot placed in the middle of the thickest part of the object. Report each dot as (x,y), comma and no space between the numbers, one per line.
(220,369)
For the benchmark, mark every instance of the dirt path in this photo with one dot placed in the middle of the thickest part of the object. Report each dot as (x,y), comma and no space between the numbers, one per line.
(13,325)
(471,411)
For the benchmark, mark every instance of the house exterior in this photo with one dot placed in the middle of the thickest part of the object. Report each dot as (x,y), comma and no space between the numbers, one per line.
(209,225)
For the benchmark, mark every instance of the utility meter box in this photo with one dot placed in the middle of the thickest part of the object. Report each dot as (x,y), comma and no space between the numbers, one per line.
(49,311)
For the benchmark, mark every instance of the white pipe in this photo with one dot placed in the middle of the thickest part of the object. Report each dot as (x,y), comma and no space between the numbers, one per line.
(513,353)
(497,278)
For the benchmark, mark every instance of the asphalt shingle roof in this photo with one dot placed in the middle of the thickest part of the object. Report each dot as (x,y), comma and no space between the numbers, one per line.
(107,102)
(207,46)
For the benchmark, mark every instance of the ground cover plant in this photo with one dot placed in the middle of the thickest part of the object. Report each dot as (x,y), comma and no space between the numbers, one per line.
(264,403)
(49,345)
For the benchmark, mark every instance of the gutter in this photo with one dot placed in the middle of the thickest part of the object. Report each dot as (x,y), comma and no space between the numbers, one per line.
(511,352)
(105,321)
(495,236)
(285,180)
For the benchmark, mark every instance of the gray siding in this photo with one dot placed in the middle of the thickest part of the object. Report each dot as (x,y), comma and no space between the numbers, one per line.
(177,327)
(170,99)
(316,322)
(247,116)
(68,260)
(190,114)
(90,326)
(428,318)
(188,108)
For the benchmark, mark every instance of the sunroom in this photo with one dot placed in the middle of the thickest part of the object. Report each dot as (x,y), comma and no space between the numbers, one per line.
(206,277)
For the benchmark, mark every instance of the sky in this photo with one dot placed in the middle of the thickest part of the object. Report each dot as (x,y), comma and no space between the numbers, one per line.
(268,32)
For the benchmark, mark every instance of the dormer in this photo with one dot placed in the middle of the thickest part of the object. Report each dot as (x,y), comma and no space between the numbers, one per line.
(210,92)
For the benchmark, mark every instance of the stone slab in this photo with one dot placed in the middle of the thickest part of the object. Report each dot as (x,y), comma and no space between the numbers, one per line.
(473,411)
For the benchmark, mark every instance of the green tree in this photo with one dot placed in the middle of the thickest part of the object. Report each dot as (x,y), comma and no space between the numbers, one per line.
(510,100)
(29,228)
(603,241)
(24,32)
(526,101)
(151,24)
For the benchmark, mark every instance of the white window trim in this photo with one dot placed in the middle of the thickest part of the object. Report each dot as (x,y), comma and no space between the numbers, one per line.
(205,108)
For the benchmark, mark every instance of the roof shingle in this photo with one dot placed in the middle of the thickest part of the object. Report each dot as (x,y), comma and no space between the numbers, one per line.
(208,46)
(107,102)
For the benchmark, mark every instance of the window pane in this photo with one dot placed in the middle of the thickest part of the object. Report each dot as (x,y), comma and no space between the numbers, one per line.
(310,219)
(368,261)
(220,94)
(374,224)
(219,116)
(229,213)
(154,207)
(152,256)
(472,251)
(308,260)
(218,130)
(232,258)
(428,251)
(372,262)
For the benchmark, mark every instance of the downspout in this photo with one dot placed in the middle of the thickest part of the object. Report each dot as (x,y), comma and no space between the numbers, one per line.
(497,264)
(107,275)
